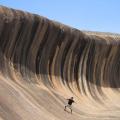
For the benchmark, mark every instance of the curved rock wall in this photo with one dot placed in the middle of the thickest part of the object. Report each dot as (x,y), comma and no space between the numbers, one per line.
(42,62)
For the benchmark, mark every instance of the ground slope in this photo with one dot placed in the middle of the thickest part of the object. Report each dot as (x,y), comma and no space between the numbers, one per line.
(42,63)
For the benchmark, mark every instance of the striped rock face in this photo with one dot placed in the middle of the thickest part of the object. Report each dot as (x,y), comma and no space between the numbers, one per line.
(43,62)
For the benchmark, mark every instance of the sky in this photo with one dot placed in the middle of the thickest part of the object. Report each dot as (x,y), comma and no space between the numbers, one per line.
(91,15)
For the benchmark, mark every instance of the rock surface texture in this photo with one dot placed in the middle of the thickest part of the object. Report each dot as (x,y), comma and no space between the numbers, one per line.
(43,62)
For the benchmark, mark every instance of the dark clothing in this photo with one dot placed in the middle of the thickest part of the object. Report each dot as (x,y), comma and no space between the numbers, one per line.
(70,101)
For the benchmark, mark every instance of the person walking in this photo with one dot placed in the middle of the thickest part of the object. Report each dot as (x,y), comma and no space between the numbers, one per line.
(69,104)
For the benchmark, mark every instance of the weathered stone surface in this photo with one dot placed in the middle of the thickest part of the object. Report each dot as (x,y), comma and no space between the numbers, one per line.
(42,62)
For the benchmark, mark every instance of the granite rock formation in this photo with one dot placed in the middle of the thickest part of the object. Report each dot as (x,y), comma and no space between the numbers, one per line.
(43,62)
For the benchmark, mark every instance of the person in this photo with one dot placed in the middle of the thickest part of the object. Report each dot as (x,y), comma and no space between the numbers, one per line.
(69,104)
